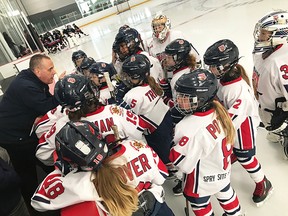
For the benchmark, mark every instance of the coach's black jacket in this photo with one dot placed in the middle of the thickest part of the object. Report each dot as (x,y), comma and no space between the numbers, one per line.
(26,98)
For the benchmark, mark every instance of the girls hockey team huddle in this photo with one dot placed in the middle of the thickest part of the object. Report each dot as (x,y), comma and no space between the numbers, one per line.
(160,111)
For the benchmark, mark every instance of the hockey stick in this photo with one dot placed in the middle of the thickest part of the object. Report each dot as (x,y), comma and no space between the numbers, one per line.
(109,84)
(186,209)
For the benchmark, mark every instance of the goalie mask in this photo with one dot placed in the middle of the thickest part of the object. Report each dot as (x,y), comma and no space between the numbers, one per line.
(221,57)
(195,91)
(81,143)
(136,67)
(75,91)
(271,30)
(161,26)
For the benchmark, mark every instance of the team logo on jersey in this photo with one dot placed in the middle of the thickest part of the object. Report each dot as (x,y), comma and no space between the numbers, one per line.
(137,145)
(202,76)
(222,48)
(71,80)
(116,110)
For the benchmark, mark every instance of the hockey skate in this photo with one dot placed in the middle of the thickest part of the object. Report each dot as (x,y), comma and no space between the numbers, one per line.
(178,190)
(262,192)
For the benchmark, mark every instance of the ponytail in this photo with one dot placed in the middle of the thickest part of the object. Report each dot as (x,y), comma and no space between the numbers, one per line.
(119,198)
(154,86)
(191,61)
(225,121)
(243,73)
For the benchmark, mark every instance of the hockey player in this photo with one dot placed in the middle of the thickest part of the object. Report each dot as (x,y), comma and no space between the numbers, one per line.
(85,65)
(127,42)
(77,58)
(145,99)
(203,144)
(238,97)
(79,96)
(270,71)
(162,36)
(96,74)
(94,172)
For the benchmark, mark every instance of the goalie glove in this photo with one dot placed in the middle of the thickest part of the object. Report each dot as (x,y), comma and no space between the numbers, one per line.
(279,120)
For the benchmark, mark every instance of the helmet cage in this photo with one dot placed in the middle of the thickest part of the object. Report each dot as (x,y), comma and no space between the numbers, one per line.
(275,22)
(181,98)
(161,20)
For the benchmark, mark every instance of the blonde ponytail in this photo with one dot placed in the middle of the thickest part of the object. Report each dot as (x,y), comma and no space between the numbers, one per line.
(119,198)
(225,121)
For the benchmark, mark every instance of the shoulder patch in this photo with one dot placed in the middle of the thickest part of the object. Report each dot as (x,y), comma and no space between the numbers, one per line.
(137,144)
(116,110)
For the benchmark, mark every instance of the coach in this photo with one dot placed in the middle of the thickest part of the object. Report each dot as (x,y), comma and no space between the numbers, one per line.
(26,98)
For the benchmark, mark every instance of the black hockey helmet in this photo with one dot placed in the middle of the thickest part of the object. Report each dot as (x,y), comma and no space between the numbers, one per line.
(200,86)
(77,55)
(86,63)
(131,38)
(100,67)
(74,91)
(136,67)
(223,55)
(179,49)
(81,143)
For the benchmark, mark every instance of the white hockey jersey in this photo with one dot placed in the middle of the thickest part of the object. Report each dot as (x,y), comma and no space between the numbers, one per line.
(129,125)
(144,101)
(238,98)
(104,95)
(201,152)
(273,76)
(148,173)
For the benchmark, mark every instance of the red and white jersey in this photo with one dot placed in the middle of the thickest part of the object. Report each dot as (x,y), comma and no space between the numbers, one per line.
(149,172)
(48,120)
(104,95)
(144,101)
(146,172)
(273,76)
(201,152)
(238,98)
(129,125)
(156,70)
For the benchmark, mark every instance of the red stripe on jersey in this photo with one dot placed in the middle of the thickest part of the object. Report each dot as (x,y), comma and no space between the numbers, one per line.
(174,155)
(204,211)
(85,208)
(190,185)
(43,119)
(245,135)
(146,125)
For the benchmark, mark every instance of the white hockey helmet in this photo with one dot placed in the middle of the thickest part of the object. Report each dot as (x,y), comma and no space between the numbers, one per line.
(275,22)
(161,20)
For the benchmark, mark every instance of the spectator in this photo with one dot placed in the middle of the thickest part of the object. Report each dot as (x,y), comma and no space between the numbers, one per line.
(11,44)
(30,40)
(12,202)
(26,98)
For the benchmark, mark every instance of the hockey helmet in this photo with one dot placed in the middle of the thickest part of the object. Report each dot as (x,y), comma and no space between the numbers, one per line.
(179,49)
(74,91)
(276,25)
(195,91)
(223,55)
(81,143)
(161,20)
(136,67)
